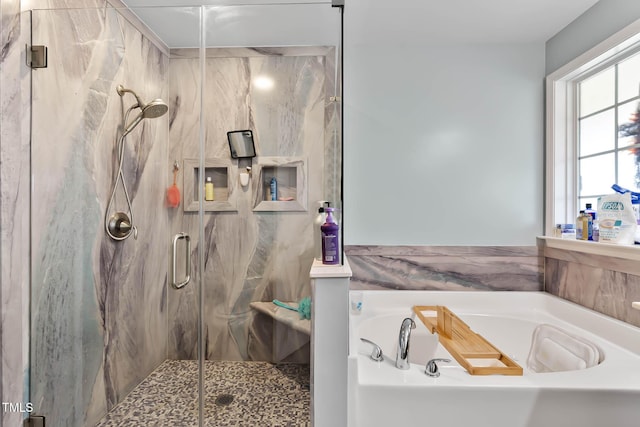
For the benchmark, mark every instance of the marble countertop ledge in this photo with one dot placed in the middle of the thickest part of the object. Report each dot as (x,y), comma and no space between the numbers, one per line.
(629,252)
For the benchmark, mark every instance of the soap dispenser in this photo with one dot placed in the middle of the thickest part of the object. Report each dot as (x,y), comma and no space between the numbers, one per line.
(330,243)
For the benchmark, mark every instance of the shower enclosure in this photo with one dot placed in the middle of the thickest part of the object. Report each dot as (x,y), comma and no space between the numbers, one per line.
(106,315)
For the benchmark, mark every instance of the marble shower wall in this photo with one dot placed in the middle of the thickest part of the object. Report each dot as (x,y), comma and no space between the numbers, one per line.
(98,306)
(602,283)
(250,255)
(14,206)
(446,268)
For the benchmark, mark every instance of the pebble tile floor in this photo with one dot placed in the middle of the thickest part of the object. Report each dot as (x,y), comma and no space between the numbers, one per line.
(237,394)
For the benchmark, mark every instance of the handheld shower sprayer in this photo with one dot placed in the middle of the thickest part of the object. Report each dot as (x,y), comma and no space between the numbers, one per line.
(119,225)
(151,110)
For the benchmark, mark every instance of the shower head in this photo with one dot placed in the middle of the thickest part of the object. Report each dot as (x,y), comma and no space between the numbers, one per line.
(153,109)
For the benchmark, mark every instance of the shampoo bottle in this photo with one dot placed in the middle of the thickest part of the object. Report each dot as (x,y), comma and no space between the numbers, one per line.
(208,189)
(330,246)
(274,189)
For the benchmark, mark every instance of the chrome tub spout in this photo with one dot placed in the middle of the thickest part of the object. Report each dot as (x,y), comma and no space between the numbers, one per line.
(402,356)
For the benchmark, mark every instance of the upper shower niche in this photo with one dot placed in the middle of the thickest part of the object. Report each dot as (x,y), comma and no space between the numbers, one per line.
(237,23)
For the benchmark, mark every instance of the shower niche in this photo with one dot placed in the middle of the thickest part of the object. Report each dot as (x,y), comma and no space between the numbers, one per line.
(219,170)
(290,175)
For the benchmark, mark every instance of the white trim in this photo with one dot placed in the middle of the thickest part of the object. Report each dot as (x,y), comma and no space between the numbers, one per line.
(560,164)
(615,45)
(560,157)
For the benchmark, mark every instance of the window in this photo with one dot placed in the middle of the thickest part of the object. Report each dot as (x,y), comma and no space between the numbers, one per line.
(589,102)
(608,149)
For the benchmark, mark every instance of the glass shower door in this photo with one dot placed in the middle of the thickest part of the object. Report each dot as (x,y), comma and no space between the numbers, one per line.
(99,309)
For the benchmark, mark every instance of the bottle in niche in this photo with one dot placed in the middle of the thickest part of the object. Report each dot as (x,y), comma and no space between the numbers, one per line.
(208,190)
(330,246)
(273,185)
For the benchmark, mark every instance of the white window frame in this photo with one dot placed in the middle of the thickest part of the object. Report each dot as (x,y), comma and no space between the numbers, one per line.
(561,186)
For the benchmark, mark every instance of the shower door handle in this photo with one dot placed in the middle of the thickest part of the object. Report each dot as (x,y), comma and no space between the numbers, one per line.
(187,258)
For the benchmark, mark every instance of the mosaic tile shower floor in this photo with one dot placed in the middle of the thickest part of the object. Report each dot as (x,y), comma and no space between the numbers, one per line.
(237,394)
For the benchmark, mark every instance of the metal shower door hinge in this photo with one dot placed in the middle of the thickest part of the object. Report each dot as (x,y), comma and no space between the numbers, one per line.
(34,421)
(37,56)
(337,3)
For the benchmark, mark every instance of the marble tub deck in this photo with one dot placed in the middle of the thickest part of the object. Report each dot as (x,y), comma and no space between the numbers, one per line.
(263,394)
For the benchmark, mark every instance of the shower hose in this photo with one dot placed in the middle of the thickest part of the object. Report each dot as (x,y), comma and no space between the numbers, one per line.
(120,177)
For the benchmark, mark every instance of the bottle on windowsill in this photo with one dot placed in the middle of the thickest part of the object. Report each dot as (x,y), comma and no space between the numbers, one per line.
(594,221)
(584,226)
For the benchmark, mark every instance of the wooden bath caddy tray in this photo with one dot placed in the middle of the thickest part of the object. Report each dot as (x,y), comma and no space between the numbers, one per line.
(477,355)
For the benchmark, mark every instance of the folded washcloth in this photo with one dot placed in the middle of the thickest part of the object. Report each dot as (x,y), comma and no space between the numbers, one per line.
(304,307)
(555,350)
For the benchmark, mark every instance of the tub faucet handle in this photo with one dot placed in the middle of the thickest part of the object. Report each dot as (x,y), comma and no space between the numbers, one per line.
(376,353)
(432,367)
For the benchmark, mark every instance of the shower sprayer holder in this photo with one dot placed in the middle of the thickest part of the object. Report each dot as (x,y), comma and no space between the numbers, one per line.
(119,227)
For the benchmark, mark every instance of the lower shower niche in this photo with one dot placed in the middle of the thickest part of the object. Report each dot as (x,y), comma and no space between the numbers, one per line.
(290,177)
(219,170)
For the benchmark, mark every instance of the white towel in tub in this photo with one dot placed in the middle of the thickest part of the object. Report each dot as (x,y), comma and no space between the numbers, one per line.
(555,350)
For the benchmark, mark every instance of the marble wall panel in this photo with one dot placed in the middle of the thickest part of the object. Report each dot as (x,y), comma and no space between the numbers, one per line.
(447,268)
(14,209)
(249,256)
(98,306)
(601,283)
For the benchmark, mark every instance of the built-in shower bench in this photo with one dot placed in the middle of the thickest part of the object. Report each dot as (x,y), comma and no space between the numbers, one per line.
(287,317)
(290,335)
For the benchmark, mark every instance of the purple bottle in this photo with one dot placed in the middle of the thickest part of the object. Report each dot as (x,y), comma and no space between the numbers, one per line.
(330,247)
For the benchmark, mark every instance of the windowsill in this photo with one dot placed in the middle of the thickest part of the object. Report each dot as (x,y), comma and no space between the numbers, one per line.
(594,248)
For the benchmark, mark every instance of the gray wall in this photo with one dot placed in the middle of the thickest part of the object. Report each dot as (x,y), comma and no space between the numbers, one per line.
(604,19)
(443,139)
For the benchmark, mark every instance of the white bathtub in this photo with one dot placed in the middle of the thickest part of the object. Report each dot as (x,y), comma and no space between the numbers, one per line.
(607,395)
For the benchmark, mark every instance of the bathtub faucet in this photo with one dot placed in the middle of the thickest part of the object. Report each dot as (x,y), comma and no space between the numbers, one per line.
(402,356)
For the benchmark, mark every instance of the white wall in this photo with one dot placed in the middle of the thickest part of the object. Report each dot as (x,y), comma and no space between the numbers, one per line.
(443,138)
